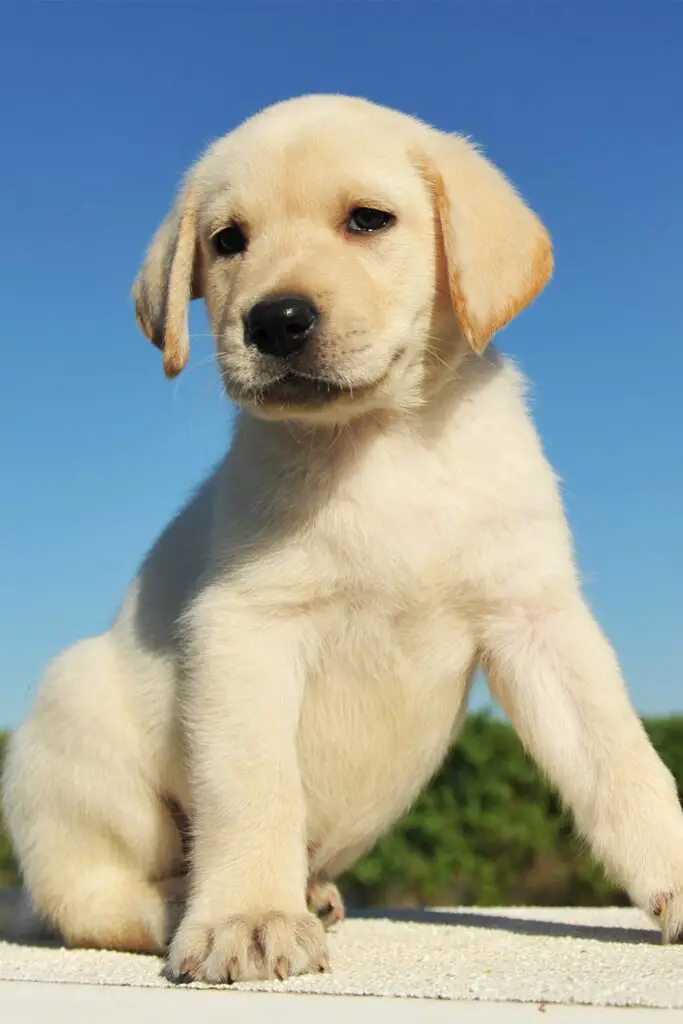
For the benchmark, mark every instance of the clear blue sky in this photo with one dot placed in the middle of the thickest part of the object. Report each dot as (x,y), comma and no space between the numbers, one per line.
(103,107)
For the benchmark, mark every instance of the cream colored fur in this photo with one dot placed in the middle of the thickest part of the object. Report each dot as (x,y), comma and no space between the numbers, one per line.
(294,659)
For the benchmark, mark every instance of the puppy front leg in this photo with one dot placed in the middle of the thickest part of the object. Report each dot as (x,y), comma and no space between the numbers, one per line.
(247,916)
(558,679)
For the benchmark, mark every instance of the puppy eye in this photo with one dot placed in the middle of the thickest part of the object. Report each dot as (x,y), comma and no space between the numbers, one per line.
(231,241)
(364,220)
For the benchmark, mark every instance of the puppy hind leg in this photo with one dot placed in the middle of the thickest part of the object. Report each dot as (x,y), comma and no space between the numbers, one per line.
(92,835)
(91,887)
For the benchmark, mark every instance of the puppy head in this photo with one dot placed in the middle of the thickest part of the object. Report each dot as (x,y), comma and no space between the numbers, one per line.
(341,248)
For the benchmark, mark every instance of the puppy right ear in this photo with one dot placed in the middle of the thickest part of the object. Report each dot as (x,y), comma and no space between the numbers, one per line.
(169,279)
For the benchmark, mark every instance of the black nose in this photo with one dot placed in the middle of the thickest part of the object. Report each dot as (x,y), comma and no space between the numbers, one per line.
(279,327)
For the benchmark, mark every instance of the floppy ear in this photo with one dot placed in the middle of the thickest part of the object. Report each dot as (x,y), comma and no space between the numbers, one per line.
(169,279)
(498,253)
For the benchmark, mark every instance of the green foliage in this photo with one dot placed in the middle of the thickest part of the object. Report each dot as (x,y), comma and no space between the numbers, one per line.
(487,831)
(8,869)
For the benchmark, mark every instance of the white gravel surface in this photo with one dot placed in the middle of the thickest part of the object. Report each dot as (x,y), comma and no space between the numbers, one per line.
(607,957)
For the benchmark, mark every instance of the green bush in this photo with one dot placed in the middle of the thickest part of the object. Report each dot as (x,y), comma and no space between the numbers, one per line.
(487,831)
(8,869)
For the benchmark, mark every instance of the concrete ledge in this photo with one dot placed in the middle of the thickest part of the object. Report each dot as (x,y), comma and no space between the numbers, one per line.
(541,957)
(66,1004)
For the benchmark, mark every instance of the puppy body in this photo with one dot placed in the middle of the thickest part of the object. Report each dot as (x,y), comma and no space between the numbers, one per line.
(294,659)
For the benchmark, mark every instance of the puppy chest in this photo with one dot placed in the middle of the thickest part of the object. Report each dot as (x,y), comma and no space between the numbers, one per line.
(379,711)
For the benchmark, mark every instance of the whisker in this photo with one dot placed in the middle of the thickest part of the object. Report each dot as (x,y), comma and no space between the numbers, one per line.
(189,370)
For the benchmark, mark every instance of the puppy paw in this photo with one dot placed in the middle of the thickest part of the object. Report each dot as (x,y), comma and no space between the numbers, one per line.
(248,948)
(667,909)
(325,901)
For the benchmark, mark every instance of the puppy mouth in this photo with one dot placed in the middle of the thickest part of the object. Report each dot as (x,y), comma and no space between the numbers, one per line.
(293,388)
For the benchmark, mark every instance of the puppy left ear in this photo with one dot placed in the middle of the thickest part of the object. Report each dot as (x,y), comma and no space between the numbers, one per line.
(498,254)
(169,279)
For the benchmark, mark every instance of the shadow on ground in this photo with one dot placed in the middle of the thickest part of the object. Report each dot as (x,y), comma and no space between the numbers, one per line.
(519,926)
(17,926)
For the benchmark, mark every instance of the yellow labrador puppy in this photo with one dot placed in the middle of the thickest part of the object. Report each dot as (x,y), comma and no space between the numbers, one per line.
(293,661)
